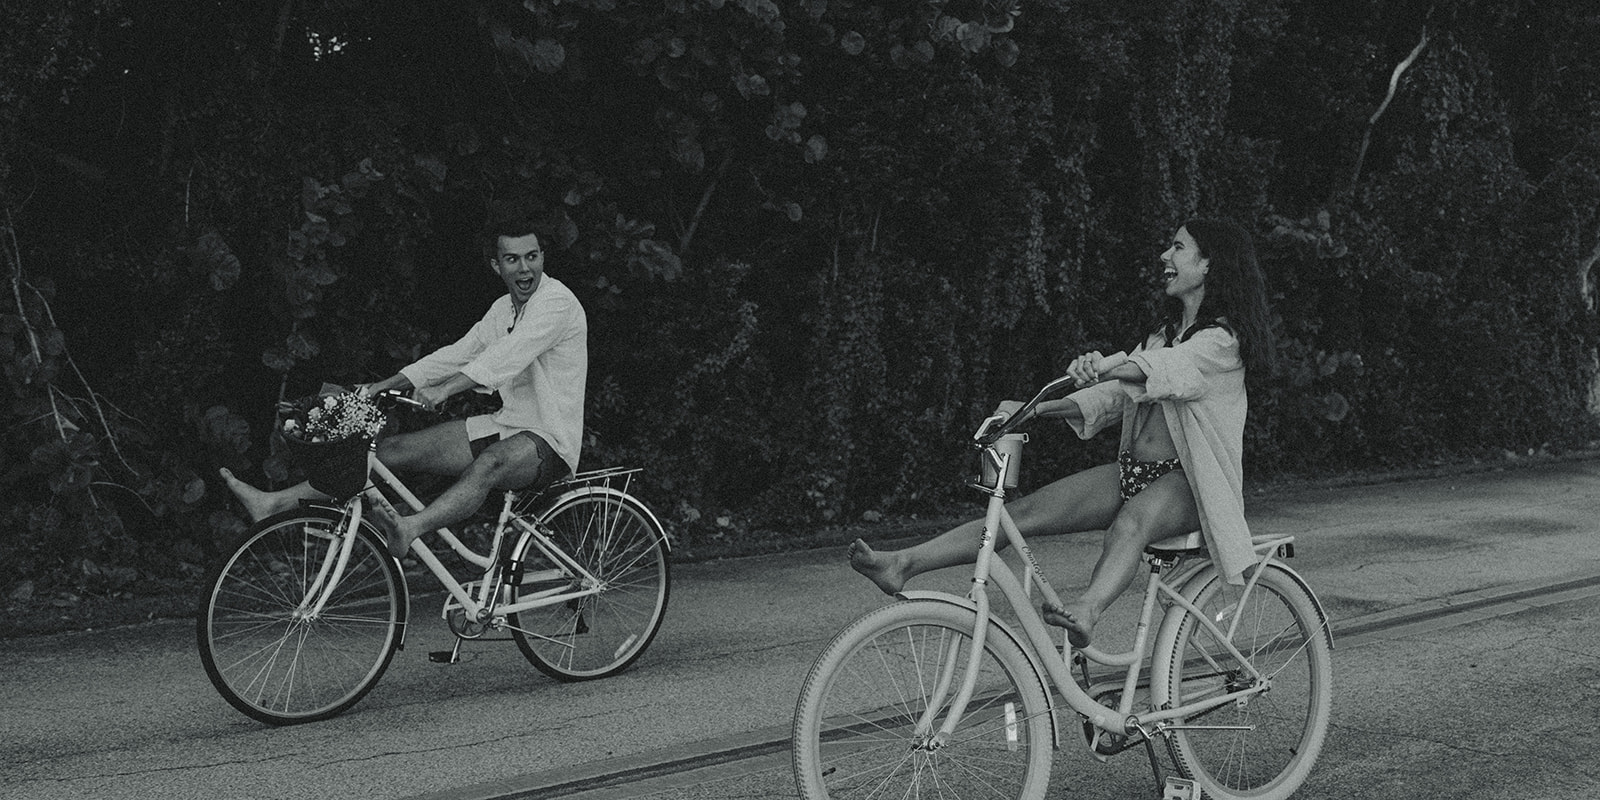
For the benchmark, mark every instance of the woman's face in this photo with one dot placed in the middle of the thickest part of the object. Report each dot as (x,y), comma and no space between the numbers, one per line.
(1185,272)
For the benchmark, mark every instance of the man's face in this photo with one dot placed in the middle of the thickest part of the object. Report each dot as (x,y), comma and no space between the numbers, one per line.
(519,262)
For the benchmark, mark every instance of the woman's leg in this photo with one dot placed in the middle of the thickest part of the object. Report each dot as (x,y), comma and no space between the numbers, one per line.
(1084,501)
(1164,509)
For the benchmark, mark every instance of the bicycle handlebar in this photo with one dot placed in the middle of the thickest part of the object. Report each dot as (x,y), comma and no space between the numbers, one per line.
(984,437)
(399,396)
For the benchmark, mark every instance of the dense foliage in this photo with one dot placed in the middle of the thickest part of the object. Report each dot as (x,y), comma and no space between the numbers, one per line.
(817,239)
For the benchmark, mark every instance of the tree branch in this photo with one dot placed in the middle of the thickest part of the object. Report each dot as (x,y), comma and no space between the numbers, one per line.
(705,200)
(1394,83)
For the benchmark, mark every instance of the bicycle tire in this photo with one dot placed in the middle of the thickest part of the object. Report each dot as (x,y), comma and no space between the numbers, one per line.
(618,541)
(276,666)
(855,723)
(1281,631)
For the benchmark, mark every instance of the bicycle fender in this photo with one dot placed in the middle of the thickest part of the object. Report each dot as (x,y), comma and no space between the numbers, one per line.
(621,497)
(1196,582)
(1005,630)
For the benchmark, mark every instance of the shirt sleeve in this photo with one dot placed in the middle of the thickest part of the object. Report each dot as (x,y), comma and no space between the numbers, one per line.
(1185,371)
(448,360)
(545,322)
(1101,406)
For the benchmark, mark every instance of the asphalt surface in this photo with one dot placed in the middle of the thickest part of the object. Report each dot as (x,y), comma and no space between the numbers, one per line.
(1468,665)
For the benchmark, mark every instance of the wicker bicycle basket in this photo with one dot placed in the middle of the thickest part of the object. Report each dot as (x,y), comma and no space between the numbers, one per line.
(337,469)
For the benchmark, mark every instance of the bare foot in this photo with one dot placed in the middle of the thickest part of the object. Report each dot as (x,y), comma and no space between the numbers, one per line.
(389,522)
(884,569)
(258,504)
(1077,618)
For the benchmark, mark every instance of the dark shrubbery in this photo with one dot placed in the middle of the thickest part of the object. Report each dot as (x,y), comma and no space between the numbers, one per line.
(816,240)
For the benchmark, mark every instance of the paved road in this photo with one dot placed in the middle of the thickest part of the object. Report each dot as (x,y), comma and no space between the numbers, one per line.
(128,713)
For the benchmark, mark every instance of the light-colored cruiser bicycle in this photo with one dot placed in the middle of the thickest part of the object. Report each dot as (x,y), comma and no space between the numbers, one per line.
(300,621)
(934,697)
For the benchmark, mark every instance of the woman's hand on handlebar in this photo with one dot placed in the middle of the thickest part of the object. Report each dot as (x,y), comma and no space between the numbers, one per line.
(1083,370)
(1087,368)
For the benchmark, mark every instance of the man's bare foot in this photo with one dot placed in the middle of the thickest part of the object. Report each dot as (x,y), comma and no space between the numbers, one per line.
(258,504)
(1077,618)
(884,569)
(389,522)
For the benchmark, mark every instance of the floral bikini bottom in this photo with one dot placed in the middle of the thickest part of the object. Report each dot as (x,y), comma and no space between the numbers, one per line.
(1138,475)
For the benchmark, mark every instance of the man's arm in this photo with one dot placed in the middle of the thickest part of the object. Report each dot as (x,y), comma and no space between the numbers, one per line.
(432,396)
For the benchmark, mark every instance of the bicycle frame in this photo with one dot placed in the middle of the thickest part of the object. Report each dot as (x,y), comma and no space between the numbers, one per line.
(484,606)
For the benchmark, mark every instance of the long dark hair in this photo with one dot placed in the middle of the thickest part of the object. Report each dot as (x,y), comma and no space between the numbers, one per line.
(1236,294)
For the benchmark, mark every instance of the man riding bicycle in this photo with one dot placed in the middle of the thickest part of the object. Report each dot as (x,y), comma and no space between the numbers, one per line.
(531,348)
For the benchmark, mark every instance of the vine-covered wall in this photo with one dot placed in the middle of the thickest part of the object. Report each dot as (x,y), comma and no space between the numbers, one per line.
(817,240)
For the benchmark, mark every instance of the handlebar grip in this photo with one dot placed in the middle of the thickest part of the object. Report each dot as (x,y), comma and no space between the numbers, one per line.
(983,429)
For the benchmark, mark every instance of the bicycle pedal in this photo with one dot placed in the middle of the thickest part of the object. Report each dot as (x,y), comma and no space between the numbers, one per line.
(1175,788)
(442,657)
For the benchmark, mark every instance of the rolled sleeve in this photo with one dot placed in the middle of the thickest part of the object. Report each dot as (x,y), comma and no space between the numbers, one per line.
(1101,406)
(1184,371)
(448,360)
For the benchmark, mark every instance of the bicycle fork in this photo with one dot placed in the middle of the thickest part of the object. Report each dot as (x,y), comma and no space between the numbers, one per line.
(334,561)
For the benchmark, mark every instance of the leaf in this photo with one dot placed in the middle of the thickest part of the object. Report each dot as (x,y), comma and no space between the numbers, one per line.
(816,149)
(302,346)
(1335,407)
(1006,51)
(973,38)
(276,469)
(277,360)
(547,56)
(211,255)
(657,259)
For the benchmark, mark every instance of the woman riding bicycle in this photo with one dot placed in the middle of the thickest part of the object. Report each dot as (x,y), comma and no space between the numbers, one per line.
(1180,400)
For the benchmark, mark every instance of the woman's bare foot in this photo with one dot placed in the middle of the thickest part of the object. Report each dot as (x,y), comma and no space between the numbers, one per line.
(258,504)
(1077,618)
(884,569)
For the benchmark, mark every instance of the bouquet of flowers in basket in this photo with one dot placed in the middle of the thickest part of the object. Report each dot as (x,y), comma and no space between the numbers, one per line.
(329,435)
(336,417)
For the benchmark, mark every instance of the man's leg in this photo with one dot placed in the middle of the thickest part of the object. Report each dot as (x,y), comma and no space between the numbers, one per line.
(1083,501)
(510,463)
(262,504)
(441,449)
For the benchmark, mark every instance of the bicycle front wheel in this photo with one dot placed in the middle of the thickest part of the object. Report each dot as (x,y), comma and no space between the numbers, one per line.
(856,727)
(1261,746)
(623,550)
(263,649)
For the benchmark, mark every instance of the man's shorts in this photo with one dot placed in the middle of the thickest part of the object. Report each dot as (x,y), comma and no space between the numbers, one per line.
(551,467)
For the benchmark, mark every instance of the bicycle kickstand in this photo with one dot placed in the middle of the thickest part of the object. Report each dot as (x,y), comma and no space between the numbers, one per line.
(452,656)
(1169,787)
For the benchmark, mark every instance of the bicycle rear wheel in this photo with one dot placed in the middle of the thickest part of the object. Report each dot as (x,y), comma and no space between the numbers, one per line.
(1278,629)
(260,649)
(620,544)
(855,724)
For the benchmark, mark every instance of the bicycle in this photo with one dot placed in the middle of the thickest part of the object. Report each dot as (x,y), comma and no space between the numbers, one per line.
(300,621)
(932,696)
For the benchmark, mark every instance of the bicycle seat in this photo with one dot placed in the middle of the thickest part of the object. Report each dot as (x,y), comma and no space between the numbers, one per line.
(1194,543)
(1189,543)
